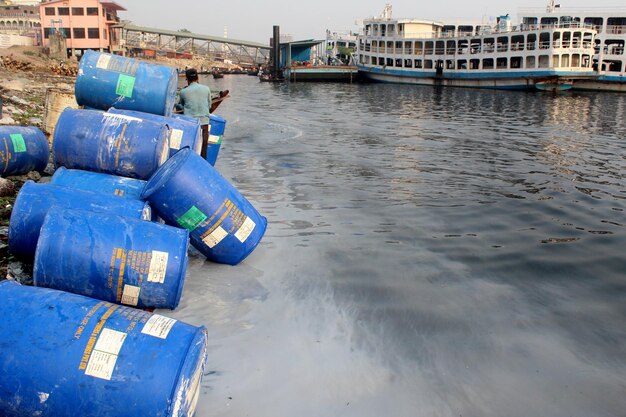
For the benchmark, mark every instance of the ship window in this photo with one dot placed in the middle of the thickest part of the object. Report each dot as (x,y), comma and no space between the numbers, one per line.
(614,47)
(517,43)
(381,47)
(565,60)
(399,47)
(530,62)
(408,47)
(549,21)
(555,61)
(501,63)
(461,64)
(612,66)
(556,40)
(428,63)
(567,37)
(383,30)
(398,63)
(389,62)
(595,22)
(450,47)
(503,43)
(448,30)
(463,49)
(439,48)
(408,63)
(428,49)
(544,61)
(419,48)
(516,62)
(381,61)
(466,30)
(391,29)
(449,64)
(616,25)
(575,60)
(489,45)
(488,63)
(418,63)
(529,21)
(390,47)
(475,47)
(474,64)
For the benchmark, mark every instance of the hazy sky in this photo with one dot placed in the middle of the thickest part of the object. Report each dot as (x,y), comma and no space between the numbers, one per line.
(253,20)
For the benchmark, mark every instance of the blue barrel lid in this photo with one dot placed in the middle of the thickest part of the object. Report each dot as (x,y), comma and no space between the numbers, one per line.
(217,118)
(166,171)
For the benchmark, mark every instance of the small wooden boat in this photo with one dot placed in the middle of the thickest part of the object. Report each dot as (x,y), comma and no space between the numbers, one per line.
(216,99)
(217,74)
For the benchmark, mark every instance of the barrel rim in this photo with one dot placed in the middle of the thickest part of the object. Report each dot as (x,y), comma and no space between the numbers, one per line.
(200,336)
(183,270)
(217,118)
(163,174)
(14,216)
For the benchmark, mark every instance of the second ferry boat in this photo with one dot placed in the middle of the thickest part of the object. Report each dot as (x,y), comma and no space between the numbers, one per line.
(502,56)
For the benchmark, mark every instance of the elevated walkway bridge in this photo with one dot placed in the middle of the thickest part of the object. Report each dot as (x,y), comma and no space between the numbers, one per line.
(182,44)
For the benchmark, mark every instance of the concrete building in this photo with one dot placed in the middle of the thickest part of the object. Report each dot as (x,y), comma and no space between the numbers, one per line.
(18,20)
(85,24)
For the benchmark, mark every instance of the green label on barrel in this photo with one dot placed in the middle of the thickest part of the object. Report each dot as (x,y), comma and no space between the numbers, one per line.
(125,86)
(192,219)
(18,142)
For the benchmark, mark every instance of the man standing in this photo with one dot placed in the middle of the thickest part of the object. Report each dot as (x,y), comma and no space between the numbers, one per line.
(195,101)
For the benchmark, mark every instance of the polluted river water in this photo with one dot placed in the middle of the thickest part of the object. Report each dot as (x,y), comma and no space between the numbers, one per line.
(429,252)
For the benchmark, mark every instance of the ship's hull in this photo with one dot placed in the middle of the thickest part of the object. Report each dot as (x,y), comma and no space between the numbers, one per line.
(527,80)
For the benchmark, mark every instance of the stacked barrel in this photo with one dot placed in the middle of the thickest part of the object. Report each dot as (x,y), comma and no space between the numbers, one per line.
(101,253)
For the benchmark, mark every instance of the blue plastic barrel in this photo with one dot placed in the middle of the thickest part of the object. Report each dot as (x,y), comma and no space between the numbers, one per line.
(112,258)
(111,143)
(188,192)
(106,81)
(182,132)
(34,200)
(22,149)
(217,126)
(98,182)
(63,354)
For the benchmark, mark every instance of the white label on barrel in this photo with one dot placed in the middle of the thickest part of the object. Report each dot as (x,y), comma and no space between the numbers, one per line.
(246,228)
(101,365)
(158,266)
(122,117)
(103,61)
(110,341)
(104,356)
(213,139)
(130,296)
(176,138)
(158,326)
(215,237)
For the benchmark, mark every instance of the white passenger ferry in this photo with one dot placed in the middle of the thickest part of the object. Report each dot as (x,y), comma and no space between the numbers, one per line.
(527,56)
(609,60)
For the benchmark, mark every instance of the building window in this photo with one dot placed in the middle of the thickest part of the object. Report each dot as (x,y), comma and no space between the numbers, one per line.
(49,11)
(67,33)
(92,11)
(64,11)
(78,11)
(93,33)
(46,33)
(104,33)
(79,33)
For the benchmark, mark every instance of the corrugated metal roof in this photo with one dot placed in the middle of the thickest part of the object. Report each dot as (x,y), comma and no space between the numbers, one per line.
(304,44)
(192,35)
